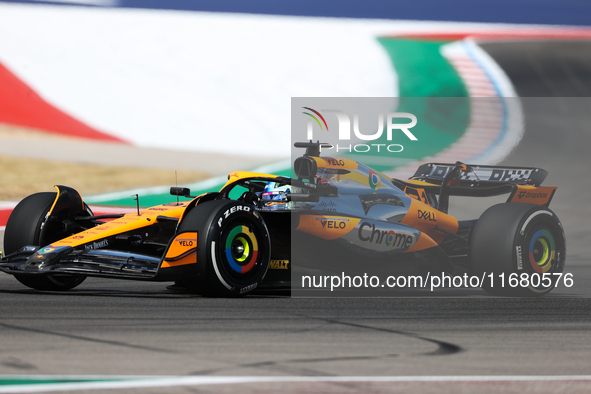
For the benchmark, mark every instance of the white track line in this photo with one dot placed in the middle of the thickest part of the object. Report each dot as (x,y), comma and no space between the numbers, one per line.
(219,380)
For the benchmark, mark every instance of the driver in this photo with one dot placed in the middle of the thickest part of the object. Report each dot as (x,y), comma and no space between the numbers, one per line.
(275,194)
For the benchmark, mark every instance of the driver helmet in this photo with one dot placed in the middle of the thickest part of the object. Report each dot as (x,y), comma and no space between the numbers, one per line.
(275,193)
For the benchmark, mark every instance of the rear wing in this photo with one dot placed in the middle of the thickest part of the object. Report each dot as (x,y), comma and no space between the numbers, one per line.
(459,179)
(477,175)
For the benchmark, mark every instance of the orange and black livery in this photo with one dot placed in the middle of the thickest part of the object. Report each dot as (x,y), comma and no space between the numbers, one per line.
(257,229)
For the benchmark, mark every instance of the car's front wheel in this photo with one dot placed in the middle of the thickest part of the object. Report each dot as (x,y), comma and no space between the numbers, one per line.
(233,247)
(24,227)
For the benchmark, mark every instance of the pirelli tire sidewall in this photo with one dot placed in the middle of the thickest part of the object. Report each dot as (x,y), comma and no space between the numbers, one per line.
(234,249)
(517,238)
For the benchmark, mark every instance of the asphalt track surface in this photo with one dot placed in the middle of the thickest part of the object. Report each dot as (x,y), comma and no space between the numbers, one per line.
(128,328)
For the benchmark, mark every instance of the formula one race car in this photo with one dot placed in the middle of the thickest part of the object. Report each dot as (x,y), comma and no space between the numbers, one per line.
(233,241)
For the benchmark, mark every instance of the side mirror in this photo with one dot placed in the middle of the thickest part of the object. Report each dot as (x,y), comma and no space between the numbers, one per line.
(180,191)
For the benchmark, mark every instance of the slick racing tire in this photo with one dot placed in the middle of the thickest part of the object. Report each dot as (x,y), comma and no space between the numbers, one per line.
(234,248)
(24,228)
(518,248)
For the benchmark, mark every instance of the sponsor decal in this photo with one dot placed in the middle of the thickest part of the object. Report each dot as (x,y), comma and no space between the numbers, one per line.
(186,242)
(385,122)
(278,264)
(333,223)
(509,175)
(385,237)
(519,259)
(48,249)
(77,237)
(335,162)
(248,288)
(51,249)
(328,206)
(495,174)
(374,180)
(232,210)
(536,195)
(97,245)
(181,250)
(427,215)
(314,225)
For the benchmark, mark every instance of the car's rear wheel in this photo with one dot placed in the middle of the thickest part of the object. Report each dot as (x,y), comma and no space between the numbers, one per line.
(233,247)
(518,248)
(24,227)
